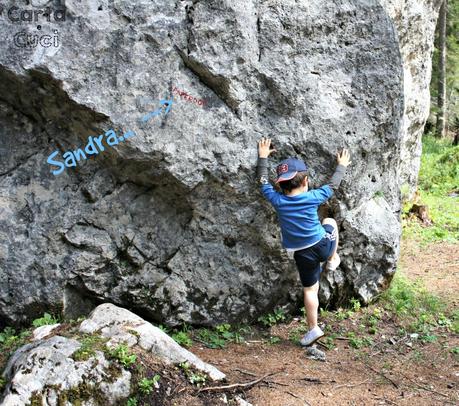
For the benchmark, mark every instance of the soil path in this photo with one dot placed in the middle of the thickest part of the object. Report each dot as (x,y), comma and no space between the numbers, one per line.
(437,265)
(383,375)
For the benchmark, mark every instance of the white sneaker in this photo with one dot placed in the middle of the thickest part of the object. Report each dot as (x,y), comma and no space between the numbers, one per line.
(312,336)
(333,263)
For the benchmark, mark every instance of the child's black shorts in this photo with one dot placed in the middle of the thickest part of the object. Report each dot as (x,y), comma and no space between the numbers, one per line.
(308,260)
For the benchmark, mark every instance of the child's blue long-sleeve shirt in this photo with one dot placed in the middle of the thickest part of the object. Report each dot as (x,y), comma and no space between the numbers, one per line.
(298,218)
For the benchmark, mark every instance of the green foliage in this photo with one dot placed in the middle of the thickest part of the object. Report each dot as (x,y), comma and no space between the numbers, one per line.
(296,333)
(220,336)
(272,319)
(194,377)
(10,340)
(182,338)
(329,341)
(439,173)
(438,178)
(373,319)
(455,350)
(2,383)
(452,63)
(428,338)
(355,304)
(273,340)
(131,402)
(122,354)
(358,342)
(146,384)
(47,319)
(343,314)
(89,345)
(197,378)
(163,328)
(418,310)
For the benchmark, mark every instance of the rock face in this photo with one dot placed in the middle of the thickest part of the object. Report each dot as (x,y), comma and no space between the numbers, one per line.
(415,22)
(47,371)
(169,223)
(121,326)
(44,373)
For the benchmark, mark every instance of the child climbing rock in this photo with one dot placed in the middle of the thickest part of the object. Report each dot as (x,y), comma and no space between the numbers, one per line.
(301,230)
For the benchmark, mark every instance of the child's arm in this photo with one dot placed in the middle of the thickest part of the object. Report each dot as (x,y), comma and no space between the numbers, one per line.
(343,159)
(322,194)
(264,150)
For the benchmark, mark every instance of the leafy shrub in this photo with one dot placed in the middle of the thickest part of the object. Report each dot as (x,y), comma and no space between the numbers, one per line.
(182,338)
(272,319)
(122,355)
(146,385)
(89,345)
(47,319)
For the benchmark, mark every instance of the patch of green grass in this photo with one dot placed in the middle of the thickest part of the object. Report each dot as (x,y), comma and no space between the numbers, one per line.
(273,340)
(417,310)
(439,171)
(438,178)
(163,328)
(220,336)
(358,342)
(10,340)
(194,377)
(89,345)
(131,402)
(122,354)
(329,341)
(428,338)
(272,319)
(47,319)
(296,333)
(182,338)
(146,385)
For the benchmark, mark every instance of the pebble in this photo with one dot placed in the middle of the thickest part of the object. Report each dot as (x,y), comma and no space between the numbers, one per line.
(313,353)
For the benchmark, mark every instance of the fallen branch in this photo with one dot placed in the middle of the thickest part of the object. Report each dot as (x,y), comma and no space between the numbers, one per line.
(383,375)
(426,388)
(298,397)
(322,344)
(313,380)
(388,401)
(316,380)
(347,385)
(238,385)
(244,372)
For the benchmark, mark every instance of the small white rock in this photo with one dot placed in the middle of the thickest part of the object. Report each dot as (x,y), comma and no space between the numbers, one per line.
(242,402)
(44,331)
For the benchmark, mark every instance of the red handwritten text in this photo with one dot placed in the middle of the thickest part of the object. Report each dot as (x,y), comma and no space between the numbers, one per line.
(186,96)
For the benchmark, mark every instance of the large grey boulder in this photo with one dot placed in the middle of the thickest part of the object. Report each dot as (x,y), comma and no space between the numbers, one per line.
(168,223)
(120,326)
(44,372)
(415,22)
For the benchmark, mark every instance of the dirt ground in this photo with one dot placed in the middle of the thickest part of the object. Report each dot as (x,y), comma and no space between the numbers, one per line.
(437,265)
(393,371)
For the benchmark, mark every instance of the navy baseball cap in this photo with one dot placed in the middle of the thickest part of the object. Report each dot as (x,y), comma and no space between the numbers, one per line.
(288,169)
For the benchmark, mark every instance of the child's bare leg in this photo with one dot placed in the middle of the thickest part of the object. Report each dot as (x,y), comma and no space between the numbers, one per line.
(332,222)
(311,304)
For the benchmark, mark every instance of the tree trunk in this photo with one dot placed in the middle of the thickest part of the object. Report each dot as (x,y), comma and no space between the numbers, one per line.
(441,101)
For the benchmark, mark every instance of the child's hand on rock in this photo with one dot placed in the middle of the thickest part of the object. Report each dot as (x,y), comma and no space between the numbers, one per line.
(343,157)
(264,147)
